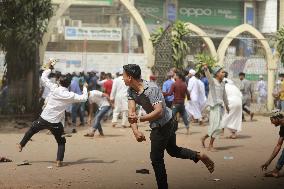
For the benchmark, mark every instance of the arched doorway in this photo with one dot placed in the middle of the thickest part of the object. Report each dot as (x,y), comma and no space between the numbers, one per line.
(145,35)
(245,28)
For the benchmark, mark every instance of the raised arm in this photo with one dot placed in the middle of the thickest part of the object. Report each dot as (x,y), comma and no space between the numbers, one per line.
(46,81)
(208,75)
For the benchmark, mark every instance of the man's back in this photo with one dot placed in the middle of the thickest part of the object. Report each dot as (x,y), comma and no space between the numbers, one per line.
(75,87)
(193,88)
(108,86)
(180,91)
(118,88)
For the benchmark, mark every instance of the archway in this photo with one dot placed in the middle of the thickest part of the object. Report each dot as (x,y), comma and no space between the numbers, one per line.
(271,65)
(204,36)
(147,45)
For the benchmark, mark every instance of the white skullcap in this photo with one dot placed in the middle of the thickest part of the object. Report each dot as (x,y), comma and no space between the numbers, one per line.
(192,71)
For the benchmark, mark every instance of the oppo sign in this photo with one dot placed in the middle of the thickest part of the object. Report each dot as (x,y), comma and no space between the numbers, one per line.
(195,12)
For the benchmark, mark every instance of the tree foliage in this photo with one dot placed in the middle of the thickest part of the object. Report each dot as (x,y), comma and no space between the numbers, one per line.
(201,59)
(178,43)
(22,25)
(280,43)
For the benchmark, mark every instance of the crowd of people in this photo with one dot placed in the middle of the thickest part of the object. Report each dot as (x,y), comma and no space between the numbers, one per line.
(197,96)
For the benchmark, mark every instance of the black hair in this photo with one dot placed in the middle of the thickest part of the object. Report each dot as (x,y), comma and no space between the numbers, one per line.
(185,72)
(226,74)
(281,75)
(278,116)
(65,80)
(133,70)
(181,75)
(242,74)
(109,75)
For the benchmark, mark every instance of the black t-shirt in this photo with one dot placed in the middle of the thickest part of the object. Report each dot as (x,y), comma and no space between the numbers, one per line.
(281,132)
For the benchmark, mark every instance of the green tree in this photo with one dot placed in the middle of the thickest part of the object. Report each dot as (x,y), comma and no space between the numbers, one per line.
(201,59)
(22,26)
(280,43)
(179,44)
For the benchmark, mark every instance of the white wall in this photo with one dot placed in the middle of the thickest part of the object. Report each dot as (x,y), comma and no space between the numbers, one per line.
(108,62)
(267,16)
(76,62)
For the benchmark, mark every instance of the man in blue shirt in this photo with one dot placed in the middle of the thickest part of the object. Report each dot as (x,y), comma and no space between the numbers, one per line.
(204,79)
(75,87)
(166,89)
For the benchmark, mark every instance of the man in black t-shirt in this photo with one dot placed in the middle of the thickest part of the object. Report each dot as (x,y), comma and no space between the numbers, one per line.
(278,120)
(162,124)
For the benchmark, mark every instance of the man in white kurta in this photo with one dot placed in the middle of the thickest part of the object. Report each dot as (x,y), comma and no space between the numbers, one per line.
(193,107)
(262,90)
(119,97)
(233,119)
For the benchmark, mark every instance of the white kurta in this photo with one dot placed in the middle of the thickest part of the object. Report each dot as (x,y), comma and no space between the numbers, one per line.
(119,95)
(202,95)
(233,120)
(196,103)
(262,91)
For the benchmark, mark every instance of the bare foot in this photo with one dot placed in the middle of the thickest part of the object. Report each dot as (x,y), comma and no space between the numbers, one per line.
(212,149)
(187,131)
(207,162)
(203,141)
(274,173)
(233,136)
(19,147)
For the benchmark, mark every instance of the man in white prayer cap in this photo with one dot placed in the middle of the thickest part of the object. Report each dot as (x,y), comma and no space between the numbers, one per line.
(195,104)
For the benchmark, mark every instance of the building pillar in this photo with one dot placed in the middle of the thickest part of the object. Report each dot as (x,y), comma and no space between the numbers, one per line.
(281,13)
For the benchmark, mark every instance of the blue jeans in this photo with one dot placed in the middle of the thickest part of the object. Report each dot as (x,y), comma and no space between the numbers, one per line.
(181,109)
(280,162)
(75,108)
(99,116)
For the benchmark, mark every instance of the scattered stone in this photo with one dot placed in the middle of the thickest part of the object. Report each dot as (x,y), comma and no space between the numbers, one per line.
(26,162)
(216,180)
(143,171)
